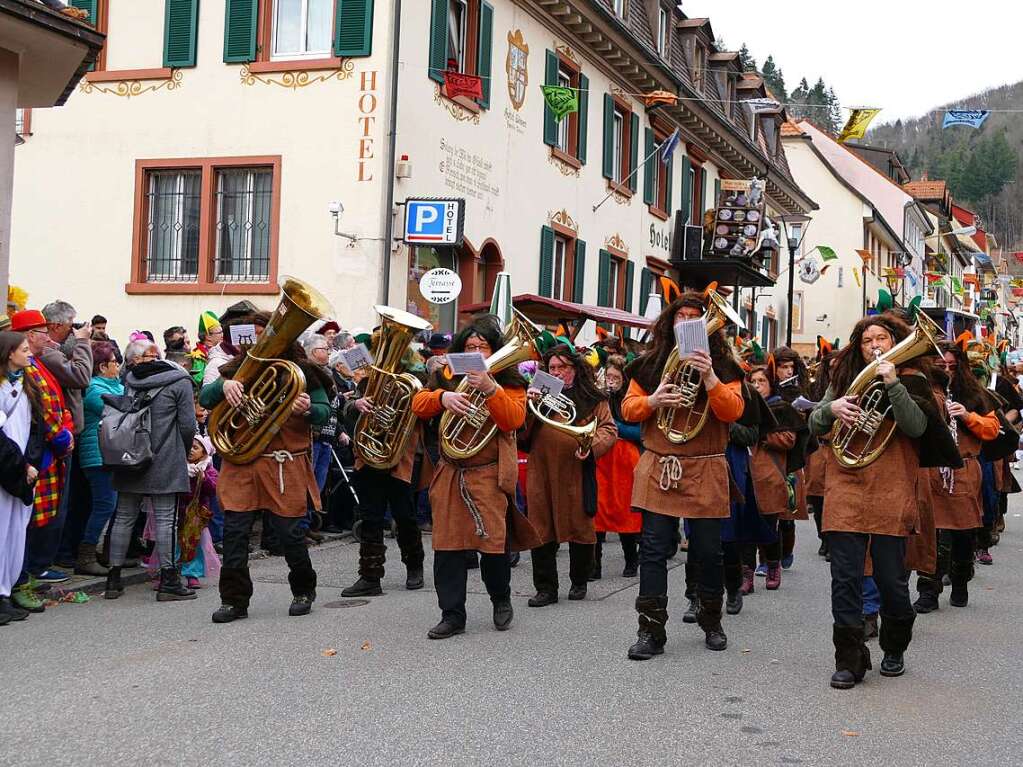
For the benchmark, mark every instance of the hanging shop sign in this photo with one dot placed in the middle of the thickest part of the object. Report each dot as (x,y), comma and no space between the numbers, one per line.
(436,222)
(440,286)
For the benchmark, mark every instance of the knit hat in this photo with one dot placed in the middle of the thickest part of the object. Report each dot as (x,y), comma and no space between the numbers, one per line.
(439,342)
(27,319)
(328,325)
(208,321)
(206,443)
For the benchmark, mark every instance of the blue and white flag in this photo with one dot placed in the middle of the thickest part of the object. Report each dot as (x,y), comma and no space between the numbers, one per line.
(974,118)
(668,147)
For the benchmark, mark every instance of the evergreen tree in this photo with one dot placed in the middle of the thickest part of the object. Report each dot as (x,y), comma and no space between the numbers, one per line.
(835,115)
(746,60)
(774,79)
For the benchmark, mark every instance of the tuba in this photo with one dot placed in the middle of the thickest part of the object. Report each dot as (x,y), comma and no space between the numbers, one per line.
(382,435)
(463,436)
(858,446)
(683,375)
(558,412)
(271,385)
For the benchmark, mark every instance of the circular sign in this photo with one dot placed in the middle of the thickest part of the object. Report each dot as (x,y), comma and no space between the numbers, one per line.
(440,286)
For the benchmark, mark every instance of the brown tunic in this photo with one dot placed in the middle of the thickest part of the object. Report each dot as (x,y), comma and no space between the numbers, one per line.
(880,498)
(257,485)
(403,469)
(554,484)
(770,481)
(922,546)
(814,472)
(702,492)
(961,508)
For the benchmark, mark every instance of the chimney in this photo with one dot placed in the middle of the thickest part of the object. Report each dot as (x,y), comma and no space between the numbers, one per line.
(923,177)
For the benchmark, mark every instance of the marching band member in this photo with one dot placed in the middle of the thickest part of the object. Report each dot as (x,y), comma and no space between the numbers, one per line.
(956,493)
(615,470)
(561,492)
(875,504)
(473,500)
(815,460)
(675,480)
(791,381)
(280,481)
(383,490)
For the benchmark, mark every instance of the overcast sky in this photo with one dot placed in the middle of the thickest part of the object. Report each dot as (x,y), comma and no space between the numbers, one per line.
(907,56)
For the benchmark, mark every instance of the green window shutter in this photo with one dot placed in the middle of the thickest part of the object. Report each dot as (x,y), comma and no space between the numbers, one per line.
(634,153)
(90,7)
(646,282)
(486,44)
(579,272)
(670,170)
(353,28)
(649,168)
(550,77)
(609,136)
(717,192)
(702,199)
(603,277)
(240,20)
(546,261)
(180,32)
(686,206)
(438,40)
(630,274)
(584,108)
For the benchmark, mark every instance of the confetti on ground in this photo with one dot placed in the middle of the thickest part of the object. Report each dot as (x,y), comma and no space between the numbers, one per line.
(366,646)
(747,650)
(850,733)
(330,652)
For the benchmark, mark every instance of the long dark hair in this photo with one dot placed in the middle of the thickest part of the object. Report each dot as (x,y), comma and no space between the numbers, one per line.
(9,342)
(963,384)
(615,398)
(584,392)
(647,370)
(487,328)
(849,361)
(802,383)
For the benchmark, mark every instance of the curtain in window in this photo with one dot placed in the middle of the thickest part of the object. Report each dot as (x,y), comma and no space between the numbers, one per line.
(243,224)
(173,226)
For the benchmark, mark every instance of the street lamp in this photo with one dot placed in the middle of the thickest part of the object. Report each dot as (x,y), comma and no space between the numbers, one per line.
(794,226)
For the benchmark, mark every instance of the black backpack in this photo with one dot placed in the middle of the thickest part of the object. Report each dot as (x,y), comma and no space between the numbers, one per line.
(126,431)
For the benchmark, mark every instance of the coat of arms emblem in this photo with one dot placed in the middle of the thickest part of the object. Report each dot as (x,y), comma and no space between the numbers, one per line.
(515,66)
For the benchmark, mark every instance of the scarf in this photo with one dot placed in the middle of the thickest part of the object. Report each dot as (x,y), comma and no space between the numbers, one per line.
(57,432)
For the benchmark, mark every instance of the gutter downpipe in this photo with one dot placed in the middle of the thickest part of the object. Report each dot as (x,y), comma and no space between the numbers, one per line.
(392,142)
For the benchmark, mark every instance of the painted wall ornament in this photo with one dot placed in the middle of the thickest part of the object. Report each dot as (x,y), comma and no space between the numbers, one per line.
(516,67)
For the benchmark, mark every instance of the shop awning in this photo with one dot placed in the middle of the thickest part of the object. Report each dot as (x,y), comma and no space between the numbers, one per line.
(550,311)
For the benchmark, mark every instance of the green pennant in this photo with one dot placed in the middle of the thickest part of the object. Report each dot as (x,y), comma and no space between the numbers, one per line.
(884,300)
(827,254)
(560,100)
(957,286)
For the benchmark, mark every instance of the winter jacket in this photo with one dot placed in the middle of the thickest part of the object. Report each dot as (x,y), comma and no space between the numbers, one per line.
(88,442)
(217,356)
(173,426)
(71,365)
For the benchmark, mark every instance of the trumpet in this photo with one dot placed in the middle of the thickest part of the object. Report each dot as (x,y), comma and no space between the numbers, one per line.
(558,412)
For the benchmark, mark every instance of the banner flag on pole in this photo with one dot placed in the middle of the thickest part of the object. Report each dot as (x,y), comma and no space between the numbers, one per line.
(856,127)
(827,254)
(561,100)
(957,286)
(761,105)
(972,118)
(457,84)
(669,146)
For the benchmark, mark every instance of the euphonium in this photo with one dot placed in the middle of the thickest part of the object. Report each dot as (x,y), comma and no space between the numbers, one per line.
(382,435)
(687,379)
(271,385)
(558,412)
(858,446)
(463,436)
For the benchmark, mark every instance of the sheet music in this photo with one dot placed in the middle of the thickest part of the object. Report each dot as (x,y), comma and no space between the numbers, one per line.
(547,384)
(466,362)
(243,335)
(691,335)
(357,357)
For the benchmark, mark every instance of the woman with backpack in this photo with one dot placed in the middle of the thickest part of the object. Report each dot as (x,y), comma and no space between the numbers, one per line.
(167,392)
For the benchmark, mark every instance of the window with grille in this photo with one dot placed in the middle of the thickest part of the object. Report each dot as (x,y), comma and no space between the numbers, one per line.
(243,203)
(302,28)
(172,225)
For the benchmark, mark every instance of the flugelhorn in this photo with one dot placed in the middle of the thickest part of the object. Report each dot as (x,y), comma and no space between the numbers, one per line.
(558,412)
(272,385)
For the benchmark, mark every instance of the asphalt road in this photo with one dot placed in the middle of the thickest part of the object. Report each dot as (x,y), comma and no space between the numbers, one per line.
(134,681)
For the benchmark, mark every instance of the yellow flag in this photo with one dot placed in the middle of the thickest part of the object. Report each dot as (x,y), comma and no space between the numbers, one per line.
(857,125)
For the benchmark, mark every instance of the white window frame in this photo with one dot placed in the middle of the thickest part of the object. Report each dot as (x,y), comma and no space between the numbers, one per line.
(619,8)
(458,14)
(614,270)
(558,267)
(618,137)
(19,122)
(276,55)
(663,30)
(565,81)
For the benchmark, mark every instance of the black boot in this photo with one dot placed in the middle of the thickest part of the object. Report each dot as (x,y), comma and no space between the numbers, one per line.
(372,555)
(653,616)
(410,543)
(114,587)
(927,587)
(11,610)
(171,588)
(852,658)
(733,588)
(301,604)
(227,613)
(629,549)
(598,555)
(692,571)
(961,574)
(709,618)
(894,638)
(503,614)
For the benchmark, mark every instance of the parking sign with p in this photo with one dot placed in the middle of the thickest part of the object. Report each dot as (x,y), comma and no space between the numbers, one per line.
(434,221)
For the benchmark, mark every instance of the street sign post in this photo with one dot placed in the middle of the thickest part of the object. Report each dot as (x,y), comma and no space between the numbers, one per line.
(437,222)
